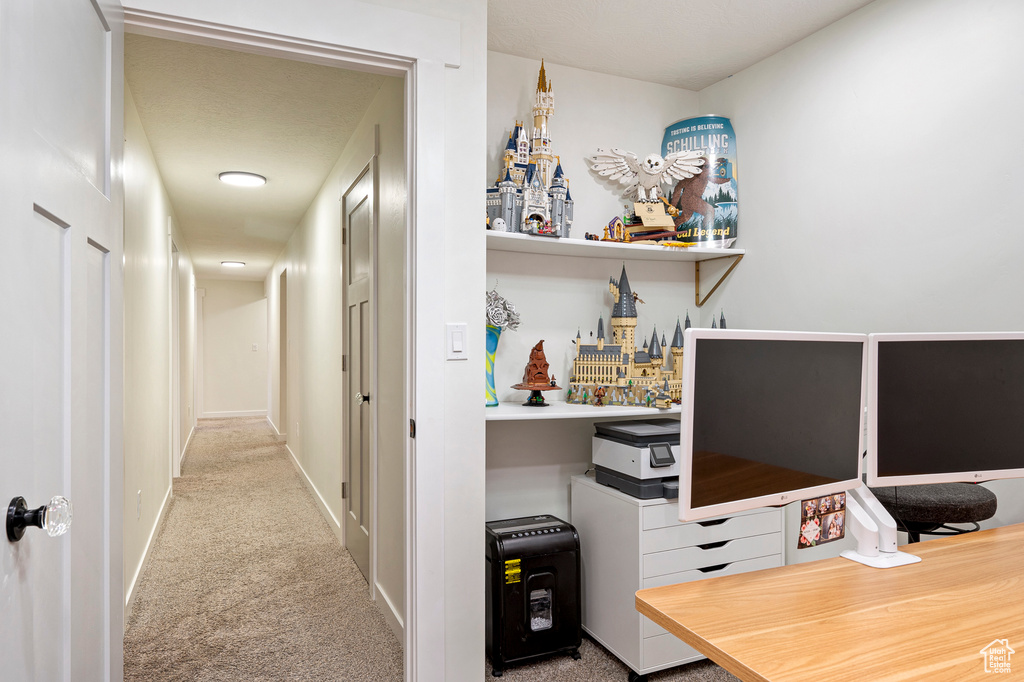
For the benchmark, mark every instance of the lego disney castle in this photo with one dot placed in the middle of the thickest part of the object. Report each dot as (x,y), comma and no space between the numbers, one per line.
(531,194)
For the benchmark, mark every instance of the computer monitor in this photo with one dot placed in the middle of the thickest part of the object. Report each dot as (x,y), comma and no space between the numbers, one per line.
(768,418)
(945,407)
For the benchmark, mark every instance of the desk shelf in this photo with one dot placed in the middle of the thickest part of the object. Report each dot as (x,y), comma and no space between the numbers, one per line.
(585,248)
(560,410)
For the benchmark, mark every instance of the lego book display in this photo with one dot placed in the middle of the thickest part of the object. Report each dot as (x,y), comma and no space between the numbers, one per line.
(707,208)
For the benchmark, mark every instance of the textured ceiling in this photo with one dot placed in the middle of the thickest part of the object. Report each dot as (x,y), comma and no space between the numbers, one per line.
(683,43)
(207,110)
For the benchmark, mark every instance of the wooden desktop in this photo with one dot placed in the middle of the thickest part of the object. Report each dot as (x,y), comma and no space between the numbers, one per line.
(838,620)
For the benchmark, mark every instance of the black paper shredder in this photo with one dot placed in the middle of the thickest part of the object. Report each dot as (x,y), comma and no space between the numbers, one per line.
(533,590)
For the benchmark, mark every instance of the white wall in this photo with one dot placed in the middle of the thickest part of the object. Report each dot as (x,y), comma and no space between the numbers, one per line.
(555,296)
(234,348)
(880,177)
(147,343)
(312,259)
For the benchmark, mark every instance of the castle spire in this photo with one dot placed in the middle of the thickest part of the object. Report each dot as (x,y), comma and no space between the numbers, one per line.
(542,80)
(655,348)
(677,338)
(624,306)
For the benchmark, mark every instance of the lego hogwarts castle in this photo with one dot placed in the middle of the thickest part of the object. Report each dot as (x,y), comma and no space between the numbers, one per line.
(624,373)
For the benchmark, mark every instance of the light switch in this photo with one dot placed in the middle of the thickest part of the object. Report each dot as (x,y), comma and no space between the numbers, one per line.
(457,341)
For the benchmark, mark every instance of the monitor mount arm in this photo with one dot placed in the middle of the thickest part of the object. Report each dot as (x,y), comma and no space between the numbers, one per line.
(875,531)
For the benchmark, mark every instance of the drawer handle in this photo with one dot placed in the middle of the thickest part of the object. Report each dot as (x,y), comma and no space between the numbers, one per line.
(714,569)
(712,522)
(714,545)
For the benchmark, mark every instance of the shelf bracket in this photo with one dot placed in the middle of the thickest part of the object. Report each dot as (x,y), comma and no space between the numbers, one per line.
(696,275)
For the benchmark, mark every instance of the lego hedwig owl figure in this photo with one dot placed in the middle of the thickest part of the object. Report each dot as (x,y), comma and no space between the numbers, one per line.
(644,178)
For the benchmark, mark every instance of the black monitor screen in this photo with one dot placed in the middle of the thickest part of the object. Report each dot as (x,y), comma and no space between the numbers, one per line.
(772,416)
(950,406)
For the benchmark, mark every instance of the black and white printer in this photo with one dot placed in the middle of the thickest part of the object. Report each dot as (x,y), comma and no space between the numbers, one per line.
(640,458)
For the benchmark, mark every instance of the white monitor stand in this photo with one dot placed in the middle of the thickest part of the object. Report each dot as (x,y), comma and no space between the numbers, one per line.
(875,531)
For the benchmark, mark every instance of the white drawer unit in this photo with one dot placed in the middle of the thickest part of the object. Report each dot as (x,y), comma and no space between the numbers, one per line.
(628,544)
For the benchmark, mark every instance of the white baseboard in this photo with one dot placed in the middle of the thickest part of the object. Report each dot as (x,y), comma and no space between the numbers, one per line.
(130,599)
(332,520)
(281,437)
(184,449)
(390,613)
(228,415)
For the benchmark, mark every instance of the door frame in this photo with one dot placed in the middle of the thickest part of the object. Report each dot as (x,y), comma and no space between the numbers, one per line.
(282,358)
(422,64)
(175,346)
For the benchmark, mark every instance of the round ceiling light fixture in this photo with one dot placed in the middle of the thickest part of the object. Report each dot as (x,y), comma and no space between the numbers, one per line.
(242,179)
(232,264)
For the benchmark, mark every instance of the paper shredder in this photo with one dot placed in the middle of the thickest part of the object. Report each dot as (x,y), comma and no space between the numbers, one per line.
(533,590)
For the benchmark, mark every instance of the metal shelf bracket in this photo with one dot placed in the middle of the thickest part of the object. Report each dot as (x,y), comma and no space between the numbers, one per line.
(696,275)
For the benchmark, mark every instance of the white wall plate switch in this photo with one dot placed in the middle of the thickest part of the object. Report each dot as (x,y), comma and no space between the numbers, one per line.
(456,341)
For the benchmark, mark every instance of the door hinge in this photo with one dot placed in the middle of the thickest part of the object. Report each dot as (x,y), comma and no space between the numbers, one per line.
(412,428)
(344,235)
(344,490)
(344,363)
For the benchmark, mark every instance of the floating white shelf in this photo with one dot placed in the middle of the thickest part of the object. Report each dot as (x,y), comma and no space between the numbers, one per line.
(517,411)
(584,248)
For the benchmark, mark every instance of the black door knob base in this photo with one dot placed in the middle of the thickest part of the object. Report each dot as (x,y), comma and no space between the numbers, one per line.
(20,517)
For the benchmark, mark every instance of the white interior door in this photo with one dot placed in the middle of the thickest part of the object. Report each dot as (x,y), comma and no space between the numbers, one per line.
(61,112)
(358,261)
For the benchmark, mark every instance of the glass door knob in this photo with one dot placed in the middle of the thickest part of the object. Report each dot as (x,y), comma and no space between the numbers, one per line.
(54,518)
(360,398)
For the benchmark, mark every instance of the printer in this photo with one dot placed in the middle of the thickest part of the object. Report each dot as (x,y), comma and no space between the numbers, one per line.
(640,458)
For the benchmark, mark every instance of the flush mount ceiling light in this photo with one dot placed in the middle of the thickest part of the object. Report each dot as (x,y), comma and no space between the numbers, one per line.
(232,264)
(242,179)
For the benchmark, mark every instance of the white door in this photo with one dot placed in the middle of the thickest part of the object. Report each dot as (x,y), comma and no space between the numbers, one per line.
(61,112)
(357,270)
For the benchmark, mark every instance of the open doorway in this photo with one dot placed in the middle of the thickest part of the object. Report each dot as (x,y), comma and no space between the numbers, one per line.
(303,278)
(423,63)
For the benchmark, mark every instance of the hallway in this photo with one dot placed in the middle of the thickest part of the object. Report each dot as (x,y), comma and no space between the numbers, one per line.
(245,579)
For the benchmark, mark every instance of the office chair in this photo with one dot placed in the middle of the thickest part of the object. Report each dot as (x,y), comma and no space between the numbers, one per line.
(929,508)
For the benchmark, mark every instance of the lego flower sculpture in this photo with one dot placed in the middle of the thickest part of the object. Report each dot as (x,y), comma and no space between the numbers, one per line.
(500,315)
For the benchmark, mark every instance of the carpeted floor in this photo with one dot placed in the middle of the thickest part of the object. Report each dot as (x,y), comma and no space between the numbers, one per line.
(247,582)
(596,664)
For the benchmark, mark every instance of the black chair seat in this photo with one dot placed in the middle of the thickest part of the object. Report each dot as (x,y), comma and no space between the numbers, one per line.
(924,508)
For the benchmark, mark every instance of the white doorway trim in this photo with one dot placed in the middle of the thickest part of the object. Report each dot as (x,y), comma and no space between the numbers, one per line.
(175,344)
(370,37)
(199,365)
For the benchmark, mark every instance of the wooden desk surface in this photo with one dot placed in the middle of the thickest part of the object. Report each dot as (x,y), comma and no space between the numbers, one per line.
(838,620)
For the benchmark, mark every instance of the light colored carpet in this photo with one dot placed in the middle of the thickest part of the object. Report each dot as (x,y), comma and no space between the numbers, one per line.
(247,582)
(596,664)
